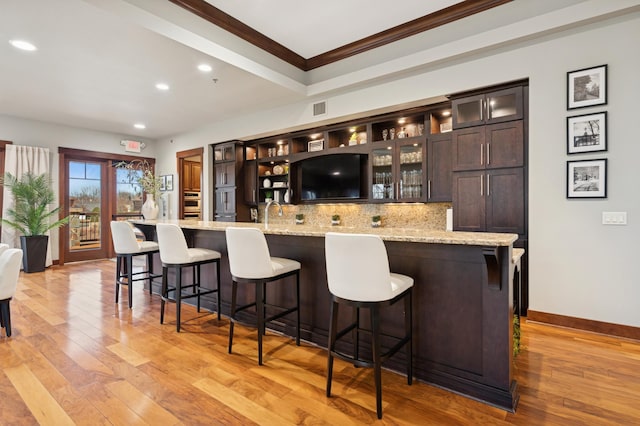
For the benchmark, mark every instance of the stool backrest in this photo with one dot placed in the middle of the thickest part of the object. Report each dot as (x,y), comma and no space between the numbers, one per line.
(10,261)
(123,236)
(248,252)
(172,244)
(357,267)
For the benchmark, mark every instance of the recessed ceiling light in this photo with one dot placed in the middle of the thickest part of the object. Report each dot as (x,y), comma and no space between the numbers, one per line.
(162,86)
(205,68)
(139,126)
(23,45)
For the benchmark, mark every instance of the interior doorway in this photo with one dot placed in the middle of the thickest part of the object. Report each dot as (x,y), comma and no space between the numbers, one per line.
(190,183)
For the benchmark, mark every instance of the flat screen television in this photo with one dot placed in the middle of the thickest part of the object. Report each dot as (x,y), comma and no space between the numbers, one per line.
(332,177)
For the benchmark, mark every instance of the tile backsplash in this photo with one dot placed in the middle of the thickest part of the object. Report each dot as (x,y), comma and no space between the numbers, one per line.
(396,215)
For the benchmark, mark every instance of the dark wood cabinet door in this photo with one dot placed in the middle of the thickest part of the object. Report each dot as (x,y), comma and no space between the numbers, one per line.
(250,171)
(468,149)
(504,105)
(186,176)
(439,169)
(504,145)
(225,174)
(469,111)
(469,201)
(225,201)
(504,197)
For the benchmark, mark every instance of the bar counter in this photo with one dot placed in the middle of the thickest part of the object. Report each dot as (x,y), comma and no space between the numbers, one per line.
(462,303)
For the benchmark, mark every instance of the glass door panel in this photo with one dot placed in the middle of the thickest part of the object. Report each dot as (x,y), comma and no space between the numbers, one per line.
(382,164)
(410,171)
(128,191)
(85,205)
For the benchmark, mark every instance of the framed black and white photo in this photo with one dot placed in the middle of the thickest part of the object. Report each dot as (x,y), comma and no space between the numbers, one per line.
(587,133)
(163,183)
(168,182)
(587,87)
(587,178)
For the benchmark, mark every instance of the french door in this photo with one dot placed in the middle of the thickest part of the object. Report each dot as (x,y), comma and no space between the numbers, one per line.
(92,193)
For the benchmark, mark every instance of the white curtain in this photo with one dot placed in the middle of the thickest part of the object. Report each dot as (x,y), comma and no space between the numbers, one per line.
(19,160)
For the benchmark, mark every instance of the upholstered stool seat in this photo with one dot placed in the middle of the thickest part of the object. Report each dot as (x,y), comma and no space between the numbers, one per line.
(127,246)
(358,276)
(175,254)
(250,262)
(10,262)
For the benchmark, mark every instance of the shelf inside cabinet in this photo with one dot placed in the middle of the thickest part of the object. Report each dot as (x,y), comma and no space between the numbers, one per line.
(440,121)
(347,136)
(399,128)
(308,142)
(273,149)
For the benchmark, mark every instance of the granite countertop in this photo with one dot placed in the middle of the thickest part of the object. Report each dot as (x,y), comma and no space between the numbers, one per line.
(387,234)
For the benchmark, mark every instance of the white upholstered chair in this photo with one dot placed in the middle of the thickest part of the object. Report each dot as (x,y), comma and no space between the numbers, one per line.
(250,262)
(10,261)
(358,276)
(175,254)
(127,246)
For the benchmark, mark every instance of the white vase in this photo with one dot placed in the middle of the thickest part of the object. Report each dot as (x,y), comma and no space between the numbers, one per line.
(150,208)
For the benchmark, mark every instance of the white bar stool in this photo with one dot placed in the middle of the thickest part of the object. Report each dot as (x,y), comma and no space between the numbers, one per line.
(10,262)
(174,253)
(251,262)
(358,276)
(127,247)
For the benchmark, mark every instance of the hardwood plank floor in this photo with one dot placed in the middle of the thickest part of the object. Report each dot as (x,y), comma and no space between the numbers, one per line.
(76,357)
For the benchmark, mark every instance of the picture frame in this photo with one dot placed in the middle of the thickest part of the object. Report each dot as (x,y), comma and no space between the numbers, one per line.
(317,145)
(163,183)
(587,133)
(168,182)
(587,178)
(587,87)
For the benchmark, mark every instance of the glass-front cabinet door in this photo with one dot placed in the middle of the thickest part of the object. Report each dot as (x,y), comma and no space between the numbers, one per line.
(382,174)
(398,172)
(411,179)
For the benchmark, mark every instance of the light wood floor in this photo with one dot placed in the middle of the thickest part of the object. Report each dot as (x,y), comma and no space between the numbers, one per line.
(77,358)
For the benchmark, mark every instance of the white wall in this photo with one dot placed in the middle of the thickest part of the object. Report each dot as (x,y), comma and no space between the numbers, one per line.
(578,267)
(54,136)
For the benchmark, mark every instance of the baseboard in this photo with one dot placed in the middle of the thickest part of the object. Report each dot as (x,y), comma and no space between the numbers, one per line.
(585,324)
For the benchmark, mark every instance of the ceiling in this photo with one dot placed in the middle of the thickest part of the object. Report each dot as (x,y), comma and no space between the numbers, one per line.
(98,61)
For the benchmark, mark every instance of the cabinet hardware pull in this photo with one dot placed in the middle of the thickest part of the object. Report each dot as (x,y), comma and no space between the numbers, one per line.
(488,154)
(483,105)
(482,185)
(482,154)
(429,189)
(488,184)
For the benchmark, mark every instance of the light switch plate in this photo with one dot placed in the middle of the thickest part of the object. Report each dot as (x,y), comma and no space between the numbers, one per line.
(614,218)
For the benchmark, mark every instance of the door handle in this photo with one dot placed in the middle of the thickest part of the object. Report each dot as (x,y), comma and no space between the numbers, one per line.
(488,185)
(488,153)
(429,189)
(482,185)
(482,154)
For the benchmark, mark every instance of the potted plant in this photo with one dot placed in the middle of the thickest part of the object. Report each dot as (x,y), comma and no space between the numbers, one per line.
(335,219)
(268,196)
(299,219)
(30,215)
(376,221)
(141,172)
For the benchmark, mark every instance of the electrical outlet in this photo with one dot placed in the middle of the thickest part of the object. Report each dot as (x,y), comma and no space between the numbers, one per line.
(614,218)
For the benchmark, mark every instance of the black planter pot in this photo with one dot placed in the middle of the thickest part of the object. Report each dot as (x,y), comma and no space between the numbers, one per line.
(34,252)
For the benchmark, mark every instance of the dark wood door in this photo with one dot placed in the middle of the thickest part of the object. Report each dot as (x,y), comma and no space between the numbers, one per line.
(504,198)
(504,145)
(439,170)
(225,174)
(225,202)
(250,182)
(469,201)
(468,150)
(468,111)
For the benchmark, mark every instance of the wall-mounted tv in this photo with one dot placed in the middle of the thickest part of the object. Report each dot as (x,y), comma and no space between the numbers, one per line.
(332,177)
